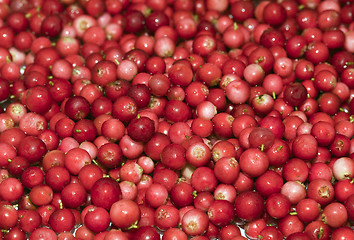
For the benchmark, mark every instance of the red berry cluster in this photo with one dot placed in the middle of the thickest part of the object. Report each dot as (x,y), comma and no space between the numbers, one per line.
(176,119)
